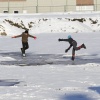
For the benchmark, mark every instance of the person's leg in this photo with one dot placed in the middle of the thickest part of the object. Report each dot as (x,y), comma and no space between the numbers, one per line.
(23,47)
(74,48)
(75,45)
(26,45)
(73,54)
(79,47)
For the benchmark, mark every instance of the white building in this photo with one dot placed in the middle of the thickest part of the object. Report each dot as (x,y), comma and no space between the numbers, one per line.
(43,6)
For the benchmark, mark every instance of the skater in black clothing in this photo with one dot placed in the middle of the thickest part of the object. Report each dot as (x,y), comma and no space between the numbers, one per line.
(73,44)
(24,36)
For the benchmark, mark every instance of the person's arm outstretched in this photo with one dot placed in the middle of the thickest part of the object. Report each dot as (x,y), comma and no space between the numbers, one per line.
(32,36)
(67,40)
(16,36)
(62,39)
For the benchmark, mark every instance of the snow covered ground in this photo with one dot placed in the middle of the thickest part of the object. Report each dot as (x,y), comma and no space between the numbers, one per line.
(47,73)
(72,22)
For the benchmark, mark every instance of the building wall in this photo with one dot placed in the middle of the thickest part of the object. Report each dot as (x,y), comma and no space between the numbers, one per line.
(71,5)
(27,5)
(97,5)
(43,6)
(51,5)
(18,5)
(33,6)
(11,5)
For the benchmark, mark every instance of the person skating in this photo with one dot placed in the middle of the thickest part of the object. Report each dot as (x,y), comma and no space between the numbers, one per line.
(73,44)
(25,44)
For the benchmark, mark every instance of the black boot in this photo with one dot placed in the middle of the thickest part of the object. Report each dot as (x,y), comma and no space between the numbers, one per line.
(22,50)
(73,58)
(83,46)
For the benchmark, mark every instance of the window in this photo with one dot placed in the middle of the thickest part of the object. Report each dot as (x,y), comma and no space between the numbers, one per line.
(16,11)
(24,11)
(5,11)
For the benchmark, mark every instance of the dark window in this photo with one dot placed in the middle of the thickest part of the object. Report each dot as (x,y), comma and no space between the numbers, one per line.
(16,12)
(5,11)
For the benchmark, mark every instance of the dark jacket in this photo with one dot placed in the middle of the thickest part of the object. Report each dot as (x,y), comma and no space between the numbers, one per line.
(70,40)
(25,36)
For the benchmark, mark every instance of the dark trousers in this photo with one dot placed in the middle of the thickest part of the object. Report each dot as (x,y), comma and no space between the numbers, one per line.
(25,46)
(75,48)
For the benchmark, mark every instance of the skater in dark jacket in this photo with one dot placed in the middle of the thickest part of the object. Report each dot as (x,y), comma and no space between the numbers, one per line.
(73,44)
(25,44)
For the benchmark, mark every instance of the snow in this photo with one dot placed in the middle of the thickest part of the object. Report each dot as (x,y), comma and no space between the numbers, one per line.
(47,72)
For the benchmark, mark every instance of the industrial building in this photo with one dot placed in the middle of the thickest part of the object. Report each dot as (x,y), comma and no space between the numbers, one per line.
(44,6)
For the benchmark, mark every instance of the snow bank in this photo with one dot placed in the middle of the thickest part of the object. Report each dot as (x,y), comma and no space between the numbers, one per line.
(49,23)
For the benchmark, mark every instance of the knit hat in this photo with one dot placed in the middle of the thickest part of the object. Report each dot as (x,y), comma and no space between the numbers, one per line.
(69,36)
